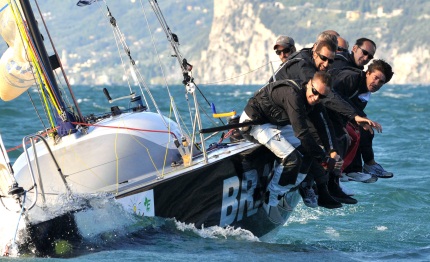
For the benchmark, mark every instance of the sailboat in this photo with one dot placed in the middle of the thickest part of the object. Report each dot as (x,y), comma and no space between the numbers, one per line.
(135,155)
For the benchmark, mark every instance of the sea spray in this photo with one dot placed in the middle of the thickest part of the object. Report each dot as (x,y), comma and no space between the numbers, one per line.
(218,232)
(11,224)
(104,215)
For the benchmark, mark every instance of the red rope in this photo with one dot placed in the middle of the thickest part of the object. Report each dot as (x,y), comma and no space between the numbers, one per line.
(19,146)
(128,128)
(116,127)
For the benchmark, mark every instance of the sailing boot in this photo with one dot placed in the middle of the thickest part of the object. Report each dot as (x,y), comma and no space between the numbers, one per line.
(325,199)
(310,199)
(336,191)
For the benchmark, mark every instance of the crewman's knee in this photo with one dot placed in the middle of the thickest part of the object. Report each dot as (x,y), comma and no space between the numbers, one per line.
(293,159)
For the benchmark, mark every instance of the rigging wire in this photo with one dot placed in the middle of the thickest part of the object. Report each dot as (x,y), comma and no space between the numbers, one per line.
(175,112)
(32,55)
(35,74)
(59,61)
(19,218)
(186,68)
(119,37)
(36,110)
(119,40)
(173,39)
(237,76)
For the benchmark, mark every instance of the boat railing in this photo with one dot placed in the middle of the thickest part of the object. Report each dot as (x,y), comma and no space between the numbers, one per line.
(31,139)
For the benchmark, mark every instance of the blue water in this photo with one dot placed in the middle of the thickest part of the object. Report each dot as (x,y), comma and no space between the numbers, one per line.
(390,222)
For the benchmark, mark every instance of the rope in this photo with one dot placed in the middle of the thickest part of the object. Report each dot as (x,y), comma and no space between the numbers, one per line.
(20,215)
(3,204)
(165,155)
(59,61)
(119,39)
(127,128)
(36,110)
(33,55)
(175,113)
(234,77)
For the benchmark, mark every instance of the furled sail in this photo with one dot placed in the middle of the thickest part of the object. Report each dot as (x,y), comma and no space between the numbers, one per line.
(16,74)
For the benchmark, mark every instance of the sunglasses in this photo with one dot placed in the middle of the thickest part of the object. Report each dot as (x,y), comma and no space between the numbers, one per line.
(315,92)
(366,53)
(341,49)
(285,51)
(324,58)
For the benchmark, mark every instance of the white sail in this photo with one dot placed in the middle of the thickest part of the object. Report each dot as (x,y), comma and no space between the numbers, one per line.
(15,69)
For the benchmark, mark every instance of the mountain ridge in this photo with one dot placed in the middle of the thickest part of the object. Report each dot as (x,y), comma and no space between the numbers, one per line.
(231,42)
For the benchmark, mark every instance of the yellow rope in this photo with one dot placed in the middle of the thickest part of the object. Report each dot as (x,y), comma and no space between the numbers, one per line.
(32,57)
(147,150)
(168,143)
(45,102)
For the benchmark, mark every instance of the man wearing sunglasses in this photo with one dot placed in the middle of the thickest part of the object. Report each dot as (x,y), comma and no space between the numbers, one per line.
(285,110)
(362,52)
(342,45)
(284,46)
(303,65)
(355,86)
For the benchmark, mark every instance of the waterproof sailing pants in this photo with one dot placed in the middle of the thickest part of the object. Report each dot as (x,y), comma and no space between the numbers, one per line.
(282,142)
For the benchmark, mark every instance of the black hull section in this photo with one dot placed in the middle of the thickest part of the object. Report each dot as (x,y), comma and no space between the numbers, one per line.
(229,192)
(226,193)
(53,238)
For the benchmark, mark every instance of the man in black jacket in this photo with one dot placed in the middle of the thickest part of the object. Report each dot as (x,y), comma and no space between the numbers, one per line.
(303,65)
(284,47)
(356,86)
(362,52)
(285,109)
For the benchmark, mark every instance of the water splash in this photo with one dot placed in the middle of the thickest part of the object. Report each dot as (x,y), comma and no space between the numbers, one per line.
(218,232)
(10,222)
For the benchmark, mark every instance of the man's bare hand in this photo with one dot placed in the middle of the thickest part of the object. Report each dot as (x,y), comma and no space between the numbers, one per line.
(368,124)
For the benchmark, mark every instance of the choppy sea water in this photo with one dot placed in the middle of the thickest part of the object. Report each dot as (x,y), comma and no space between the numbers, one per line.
(390,222)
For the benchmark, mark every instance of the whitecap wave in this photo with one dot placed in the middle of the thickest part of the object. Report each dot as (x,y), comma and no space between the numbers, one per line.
(218,232)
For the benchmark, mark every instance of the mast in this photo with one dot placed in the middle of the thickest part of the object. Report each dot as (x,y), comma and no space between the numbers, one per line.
(40,47)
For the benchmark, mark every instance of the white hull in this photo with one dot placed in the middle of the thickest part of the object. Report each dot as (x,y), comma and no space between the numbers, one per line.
(104,157)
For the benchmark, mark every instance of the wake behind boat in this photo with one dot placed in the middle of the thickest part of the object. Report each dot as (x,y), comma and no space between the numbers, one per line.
(134,154)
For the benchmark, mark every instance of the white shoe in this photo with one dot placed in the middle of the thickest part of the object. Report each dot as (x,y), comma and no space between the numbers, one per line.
(361,177)
(346,190)
(344,178)
(377,170)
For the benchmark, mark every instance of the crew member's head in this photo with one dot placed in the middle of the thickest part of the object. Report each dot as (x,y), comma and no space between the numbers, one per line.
(318,87)
(363,50)
(342,44)
(378,73)
(331,32)
(284,47)
(327,36)
(323,54)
